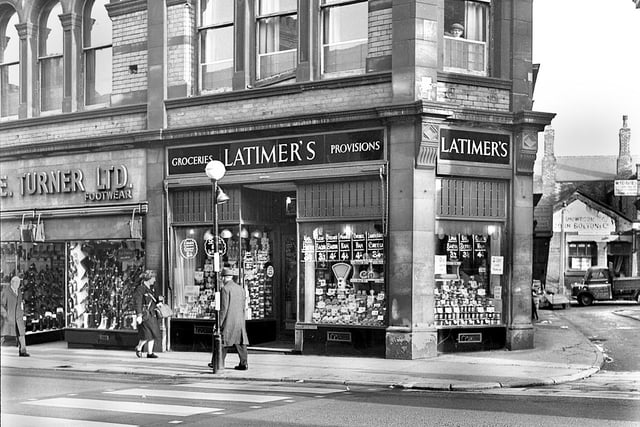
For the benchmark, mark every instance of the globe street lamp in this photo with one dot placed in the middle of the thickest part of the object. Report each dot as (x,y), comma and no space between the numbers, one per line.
(215,170)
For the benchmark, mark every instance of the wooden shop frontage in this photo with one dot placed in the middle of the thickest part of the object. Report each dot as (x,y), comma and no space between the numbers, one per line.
(304,226)
(72,227)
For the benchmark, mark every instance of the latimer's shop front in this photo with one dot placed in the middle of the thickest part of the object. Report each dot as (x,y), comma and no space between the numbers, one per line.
(72,226)
(305,225)
(319,246)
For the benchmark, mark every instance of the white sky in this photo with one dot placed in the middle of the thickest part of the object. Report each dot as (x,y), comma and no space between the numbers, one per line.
(589,56)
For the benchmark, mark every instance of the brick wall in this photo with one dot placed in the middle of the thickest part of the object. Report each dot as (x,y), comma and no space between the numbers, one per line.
(129,49)
(380,33)
(306,102)
(180,52)
(475,97)
(32,134)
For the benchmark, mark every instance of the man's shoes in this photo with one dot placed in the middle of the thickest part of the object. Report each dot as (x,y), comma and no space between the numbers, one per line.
(152,356)
(24,354)
(138,353)
(241,367)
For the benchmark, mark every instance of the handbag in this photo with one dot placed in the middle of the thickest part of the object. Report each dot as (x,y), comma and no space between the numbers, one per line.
(164,311)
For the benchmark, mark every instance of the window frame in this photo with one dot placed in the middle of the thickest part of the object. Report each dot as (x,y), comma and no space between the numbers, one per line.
(5,22)
(87,50)
(486,51)
(42,59)
(326,5)
(263,17)
(202,30)
(589,253)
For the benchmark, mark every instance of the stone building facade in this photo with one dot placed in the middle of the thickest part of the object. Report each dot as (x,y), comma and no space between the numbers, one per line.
(420,146)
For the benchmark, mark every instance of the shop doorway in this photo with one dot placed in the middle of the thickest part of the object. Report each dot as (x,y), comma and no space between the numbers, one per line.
(269,218)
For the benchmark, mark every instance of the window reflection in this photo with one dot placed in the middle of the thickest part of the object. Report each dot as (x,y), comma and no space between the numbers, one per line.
(9,67)
(98,53)
(344,39)
(50,58)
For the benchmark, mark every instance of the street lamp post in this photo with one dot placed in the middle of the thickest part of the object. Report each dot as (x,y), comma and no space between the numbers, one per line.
(215,170)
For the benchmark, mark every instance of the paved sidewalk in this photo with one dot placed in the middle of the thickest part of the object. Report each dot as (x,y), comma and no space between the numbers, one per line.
(561,354)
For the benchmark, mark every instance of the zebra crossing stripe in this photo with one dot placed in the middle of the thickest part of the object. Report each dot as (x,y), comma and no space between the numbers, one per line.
(228,397)
(263,388)
(15,420)
(128,407)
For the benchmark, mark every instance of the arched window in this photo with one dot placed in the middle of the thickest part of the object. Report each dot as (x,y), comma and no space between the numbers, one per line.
(96,34)
(9,66)
(50,50)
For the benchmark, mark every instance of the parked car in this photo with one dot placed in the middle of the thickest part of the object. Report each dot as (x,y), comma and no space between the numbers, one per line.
(599,284)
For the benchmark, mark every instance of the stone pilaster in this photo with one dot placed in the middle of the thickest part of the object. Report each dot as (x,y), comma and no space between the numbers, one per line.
(29,62)
(72,86)
(549,165)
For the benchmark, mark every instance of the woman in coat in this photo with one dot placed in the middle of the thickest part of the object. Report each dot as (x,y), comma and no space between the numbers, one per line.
(232,318)
(12,314)
(147,316)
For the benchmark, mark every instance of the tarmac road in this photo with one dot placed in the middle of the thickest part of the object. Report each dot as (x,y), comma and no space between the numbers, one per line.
(613,326)
(74,399)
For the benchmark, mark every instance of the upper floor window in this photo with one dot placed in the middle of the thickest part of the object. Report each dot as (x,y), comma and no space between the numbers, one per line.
(50,50)
(9,66)
(277,32)
(96,35)
(465,38)
(215,34)
(344,36)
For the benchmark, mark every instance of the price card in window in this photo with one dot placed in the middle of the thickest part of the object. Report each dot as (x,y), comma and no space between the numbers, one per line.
(441,264)
(497,265)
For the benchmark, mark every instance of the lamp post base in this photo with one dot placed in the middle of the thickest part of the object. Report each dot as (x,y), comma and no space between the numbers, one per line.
(217,362)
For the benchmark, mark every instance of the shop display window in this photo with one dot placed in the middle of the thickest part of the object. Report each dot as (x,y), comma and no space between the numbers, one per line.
(102,277)
(343,274)
(467,294)
(248,249)
(41,265)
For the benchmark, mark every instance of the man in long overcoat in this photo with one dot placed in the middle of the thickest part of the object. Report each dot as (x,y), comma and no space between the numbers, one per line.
(12,314)
(232,318)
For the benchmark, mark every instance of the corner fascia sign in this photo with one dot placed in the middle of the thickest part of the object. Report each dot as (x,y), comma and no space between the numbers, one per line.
(474,147)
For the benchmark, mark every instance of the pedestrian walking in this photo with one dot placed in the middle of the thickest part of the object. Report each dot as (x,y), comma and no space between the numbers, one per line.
(147,317)
(232,318)
(12,308)
(534,304)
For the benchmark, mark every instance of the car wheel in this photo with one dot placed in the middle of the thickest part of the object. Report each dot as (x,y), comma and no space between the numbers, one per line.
(638,297)
(585,299)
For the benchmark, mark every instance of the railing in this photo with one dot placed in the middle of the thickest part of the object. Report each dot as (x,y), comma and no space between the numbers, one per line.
(465,56)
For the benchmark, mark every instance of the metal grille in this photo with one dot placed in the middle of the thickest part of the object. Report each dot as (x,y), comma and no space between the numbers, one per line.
(472,199)
(194,206)
(356,199)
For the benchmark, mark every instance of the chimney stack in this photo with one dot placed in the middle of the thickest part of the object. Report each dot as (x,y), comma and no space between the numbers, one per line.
(548,162)
(624,166)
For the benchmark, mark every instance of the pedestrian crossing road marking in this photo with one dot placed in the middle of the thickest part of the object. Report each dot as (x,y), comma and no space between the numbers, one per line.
(129,407)
(14,420)
(263,388)
(228,397)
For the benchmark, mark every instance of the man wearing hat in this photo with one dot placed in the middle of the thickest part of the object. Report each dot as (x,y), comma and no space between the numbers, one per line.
(12,314)
(232,317)
(456,30)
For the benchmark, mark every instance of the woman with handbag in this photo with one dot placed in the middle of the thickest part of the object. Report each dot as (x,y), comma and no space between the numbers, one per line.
(147,316)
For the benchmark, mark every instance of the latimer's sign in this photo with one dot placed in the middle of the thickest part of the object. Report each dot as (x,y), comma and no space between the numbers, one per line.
(292,151)
(477,147)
